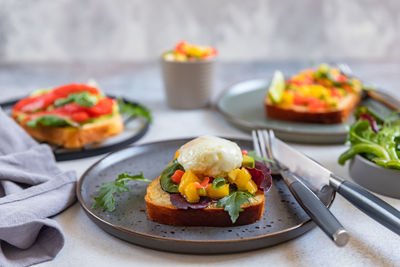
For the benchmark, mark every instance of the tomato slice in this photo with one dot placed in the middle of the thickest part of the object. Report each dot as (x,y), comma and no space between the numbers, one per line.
(41,102)
(103,107)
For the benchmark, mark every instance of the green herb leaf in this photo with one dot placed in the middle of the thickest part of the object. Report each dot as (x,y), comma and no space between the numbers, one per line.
(166,183)
(84,99)
(218,182)
(134,110)
(105,199)
(51,120)
(233,203)
(253,154)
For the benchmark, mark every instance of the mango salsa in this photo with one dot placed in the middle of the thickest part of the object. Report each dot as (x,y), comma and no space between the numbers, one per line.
(188,178)
(221,192)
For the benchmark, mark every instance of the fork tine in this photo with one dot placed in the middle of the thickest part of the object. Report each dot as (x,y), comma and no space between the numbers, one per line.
(256,144)
(262,144)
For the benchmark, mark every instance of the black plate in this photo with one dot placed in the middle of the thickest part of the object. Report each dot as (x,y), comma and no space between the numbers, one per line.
(283,218)
(134,129)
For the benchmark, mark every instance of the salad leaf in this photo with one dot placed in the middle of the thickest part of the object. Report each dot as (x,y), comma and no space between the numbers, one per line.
(233,203)
(84,99)
(51,120)
(105,199)
(218,182)
(166,183)
(134,110)
(382,147)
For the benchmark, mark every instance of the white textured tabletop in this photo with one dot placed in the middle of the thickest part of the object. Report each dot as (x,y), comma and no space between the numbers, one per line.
(87,245)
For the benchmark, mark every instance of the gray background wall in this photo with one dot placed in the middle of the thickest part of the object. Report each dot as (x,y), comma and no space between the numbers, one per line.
(137,30)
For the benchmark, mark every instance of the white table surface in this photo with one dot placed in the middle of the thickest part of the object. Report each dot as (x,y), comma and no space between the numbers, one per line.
(87,245)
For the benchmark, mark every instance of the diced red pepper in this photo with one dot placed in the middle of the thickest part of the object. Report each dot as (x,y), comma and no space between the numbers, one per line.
(203,183)
(177,176)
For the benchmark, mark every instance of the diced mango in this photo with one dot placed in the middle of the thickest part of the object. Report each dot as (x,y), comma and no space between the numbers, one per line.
(188,178)
(221,192)
(251,187)
(191,194)
(240,177)
(232,175)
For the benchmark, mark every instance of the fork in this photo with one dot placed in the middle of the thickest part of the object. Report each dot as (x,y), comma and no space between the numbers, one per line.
(306,198)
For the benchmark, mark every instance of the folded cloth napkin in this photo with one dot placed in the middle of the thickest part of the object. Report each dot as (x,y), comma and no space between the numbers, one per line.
(32,188)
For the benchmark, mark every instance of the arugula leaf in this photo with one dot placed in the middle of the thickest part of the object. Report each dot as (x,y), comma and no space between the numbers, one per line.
(84,99)
(51,120)
(105,199)
(233,203)
(166,183)
(381,147)
(134,110)
(218,182)
(253,154)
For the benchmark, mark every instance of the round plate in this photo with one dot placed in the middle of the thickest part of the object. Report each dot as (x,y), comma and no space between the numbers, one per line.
(243,105)
(134,129)
(283,218)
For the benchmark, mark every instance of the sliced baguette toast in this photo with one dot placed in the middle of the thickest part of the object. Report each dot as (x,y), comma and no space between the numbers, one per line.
(303,114)
(71,137)
(160,209)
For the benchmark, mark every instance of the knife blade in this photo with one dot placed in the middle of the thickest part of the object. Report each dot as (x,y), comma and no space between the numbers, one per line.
(318,177)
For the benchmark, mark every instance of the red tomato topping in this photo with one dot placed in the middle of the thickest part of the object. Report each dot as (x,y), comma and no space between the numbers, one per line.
(341,78)
(335,93)
(245,152)
(177,176)
(41,102)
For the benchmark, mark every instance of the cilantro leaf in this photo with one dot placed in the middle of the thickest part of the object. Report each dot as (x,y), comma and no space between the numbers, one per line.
(105,199)
(84,99)
(233,203)
(134,110)
(51,120)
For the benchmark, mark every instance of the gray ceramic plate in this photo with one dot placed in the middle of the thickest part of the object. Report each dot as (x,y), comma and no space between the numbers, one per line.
(283,218)
(375,178)
(243,105)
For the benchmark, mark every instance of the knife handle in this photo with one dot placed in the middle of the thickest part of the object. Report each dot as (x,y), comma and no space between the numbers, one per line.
(313,206)
(368,203)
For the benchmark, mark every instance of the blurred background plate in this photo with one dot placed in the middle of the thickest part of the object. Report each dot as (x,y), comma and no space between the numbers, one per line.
(134,129)
(242,104)
(283,218)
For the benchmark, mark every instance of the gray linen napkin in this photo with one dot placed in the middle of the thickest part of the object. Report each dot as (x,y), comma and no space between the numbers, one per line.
(32,188)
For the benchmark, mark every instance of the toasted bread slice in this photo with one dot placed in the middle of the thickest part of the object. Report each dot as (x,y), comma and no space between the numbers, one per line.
(302,114)
(160,209)
(71,137)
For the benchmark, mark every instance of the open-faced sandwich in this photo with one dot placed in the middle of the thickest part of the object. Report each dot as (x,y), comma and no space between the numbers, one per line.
(211,182)
(72,115)
(322,95)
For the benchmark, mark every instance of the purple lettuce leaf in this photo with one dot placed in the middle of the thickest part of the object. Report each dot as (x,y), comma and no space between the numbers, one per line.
(372,121)
(261,176)
(179,202)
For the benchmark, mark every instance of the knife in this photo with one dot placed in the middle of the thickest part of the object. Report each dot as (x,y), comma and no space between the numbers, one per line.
(318,177)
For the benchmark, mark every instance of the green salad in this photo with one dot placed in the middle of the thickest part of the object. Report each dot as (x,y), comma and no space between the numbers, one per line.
(376,139)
